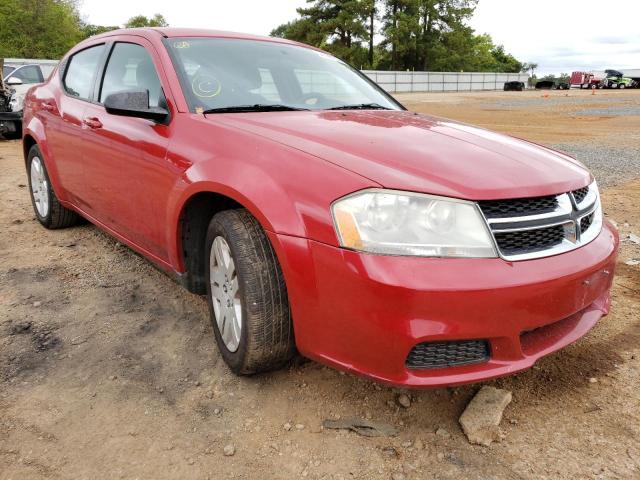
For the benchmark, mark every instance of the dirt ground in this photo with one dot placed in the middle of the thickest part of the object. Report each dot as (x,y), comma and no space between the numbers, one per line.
(109,370)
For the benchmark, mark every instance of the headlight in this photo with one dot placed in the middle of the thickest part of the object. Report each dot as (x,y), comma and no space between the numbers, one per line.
(404,223)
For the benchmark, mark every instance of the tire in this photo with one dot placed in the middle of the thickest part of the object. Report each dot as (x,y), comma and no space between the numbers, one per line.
(49,212)
(622,86)
(253,286)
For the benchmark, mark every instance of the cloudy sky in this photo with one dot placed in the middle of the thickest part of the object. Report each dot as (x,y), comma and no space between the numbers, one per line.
(560,36)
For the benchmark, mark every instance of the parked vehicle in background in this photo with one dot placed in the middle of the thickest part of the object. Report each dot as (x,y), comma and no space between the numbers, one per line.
(585,80)
(555,84)
(16,80)
(513,86)
(315,212)
(616,79)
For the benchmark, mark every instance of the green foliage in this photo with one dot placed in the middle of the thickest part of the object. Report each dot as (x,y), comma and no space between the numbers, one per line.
(140,21)
(301,30)
(38,28)
(338,26)
(562,78)
(89,30)
(417,35)
(49,28)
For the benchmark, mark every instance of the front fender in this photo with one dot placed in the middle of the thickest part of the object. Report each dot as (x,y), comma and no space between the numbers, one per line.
(288,191)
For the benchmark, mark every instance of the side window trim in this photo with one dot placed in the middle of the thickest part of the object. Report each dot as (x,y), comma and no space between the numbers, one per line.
(102,70)
(100,66)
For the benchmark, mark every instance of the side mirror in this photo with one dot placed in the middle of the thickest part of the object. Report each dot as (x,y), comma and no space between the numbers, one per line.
(134,103)
(13,81)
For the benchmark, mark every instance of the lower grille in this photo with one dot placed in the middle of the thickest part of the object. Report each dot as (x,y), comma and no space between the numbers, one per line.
(448,354)
(527,241)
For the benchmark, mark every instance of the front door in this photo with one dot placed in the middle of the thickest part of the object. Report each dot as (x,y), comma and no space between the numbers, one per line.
(125,165)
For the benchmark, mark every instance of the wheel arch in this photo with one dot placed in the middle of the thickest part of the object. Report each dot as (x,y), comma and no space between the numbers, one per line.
(34,134)
(28,141)
(190,227)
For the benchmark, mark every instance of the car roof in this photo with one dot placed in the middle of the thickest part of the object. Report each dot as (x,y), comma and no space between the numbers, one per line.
(150,32)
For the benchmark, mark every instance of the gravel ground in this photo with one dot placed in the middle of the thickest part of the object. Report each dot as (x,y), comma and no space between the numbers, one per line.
(544,101)
(625,111)
(609,165)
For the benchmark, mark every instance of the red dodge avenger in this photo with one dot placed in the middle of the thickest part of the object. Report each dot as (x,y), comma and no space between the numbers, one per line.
(315,212)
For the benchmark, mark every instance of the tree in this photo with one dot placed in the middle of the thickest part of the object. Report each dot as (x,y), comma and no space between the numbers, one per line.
(529,67)
(438,18)
(338,26)
(505,62)
(301,30)
(417,35)
(38,28)
(140,21)
(373,16)
(400,26)
(89,30)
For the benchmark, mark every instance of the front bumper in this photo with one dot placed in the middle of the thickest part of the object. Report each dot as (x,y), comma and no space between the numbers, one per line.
(364,313)
(11,116)
(10,121)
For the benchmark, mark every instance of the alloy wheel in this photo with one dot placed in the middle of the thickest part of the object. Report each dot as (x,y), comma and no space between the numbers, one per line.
(225,294)
(39,187)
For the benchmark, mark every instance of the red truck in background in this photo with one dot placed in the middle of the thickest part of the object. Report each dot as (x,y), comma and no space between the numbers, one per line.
(585,80)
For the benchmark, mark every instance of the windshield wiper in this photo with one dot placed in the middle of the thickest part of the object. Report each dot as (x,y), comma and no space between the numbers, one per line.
(258,107)
(360,106)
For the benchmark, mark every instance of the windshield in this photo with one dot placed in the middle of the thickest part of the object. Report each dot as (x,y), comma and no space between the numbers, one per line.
(236,75)
(6,70)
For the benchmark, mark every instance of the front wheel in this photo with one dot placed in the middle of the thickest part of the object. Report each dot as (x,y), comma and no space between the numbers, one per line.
(247,295)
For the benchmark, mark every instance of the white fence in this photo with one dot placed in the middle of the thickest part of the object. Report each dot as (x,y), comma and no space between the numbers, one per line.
(393,82)
(398,82)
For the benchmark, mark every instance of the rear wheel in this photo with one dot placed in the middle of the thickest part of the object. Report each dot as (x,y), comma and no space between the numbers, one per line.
(48,209)
(247,295)
(622,86)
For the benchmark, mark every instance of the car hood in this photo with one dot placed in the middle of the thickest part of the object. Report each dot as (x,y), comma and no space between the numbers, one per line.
(405,151)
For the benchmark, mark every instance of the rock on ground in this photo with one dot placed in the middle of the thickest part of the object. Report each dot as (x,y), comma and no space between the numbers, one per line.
(481,419)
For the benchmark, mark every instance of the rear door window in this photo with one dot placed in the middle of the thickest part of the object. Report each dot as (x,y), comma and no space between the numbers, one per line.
(81,72)
(130,67)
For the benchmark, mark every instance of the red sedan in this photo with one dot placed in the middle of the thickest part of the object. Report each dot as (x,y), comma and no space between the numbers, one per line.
(315,212)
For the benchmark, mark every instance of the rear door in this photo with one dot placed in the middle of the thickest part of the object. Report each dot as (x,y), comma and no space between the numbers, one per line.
(63,114)
(126,172)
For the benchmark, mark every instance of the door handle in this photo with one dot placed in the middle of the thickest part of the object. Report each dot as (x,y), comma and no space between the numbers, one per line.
(92,122)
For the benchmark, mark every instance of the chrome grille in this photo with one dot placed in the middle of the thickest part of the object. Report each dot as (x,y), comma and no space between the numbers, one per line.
(518,206)
(580,194)
(534,240)
(526,228)
(586,222)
